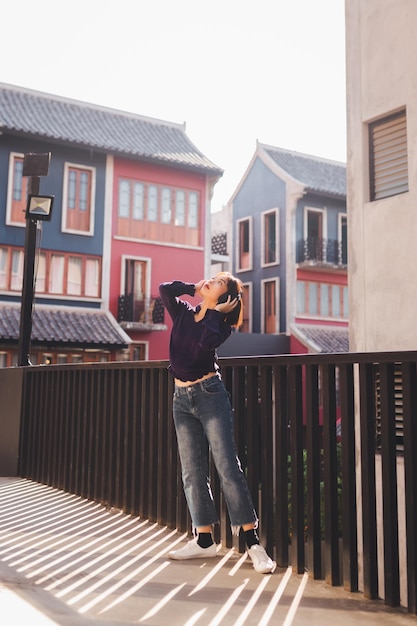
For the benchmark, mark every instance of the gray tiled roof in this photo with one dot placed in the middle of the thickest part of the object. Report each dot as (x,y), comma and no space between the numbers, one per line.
(317,174)
(323,339)
(60,119)
(65,326)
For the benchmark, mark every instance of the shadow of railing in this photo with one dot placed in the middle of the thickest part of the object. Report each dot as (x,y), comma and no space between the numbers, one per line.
(105,433)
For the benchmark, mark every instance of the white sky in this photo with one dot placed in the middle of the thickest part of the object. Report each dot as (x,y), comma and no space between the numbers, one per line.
(235,71)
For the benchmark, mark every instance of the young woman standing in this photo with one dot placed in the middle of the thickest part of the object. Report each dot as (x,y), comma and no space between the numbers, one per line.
(203,416)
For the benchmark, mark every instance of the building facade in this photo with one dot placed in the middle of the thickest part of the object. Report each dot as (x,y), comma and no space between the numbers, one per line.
(132,202)
(382,172)
(290,248)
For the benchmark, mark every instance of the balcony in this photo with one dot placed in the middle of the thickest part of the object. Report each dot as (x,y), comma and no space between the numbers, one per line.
(318,252)
(145,314)
(104,432)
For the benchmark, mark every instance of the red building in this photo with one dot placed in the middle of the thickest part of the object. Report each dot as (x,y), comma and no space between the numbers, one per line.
(159,229)
(131,210)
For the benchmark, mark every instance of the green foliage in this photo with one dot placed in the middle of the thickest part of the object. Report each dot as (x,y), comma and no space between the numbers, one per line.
(322,488)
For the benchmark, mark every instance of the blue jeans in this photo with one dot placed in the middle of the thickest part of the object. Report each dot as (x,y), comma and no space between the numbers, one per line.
(203,417)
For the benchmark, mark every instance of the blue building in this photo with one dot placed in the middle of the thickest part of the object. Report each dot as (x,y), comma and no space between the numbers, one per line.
(288,245)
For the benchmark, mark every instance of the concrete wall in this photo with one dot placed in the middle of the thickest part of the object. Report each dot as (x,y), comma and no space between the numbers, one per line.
(10,404)
(381,52)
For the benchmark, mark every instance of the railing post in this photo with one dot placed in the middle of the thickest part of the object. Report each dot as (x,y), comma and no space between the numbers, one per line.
(367,430)
(313,470)
(295,391)
(349,513)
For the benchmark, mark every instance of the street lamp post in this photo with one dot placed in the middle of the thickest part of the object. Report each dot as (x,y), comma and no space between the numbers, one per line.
(38,208)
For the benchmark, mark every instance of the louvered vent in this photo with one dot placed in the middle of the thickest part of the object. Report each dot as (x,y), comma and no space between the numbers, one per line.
(398,408)
(388,153)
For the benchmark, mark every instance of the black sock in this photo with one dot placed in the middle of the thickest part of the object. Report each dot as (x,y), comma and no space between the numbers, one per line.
(251,537)
(205,540)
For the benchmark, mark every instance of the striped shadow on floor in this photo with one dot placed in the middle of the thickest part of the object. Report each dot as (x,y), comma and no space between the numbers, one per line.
(113,568)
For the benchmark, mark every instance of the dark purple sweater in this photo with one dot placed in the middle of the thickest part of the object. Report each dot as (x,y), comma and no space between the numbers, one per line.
(192,346)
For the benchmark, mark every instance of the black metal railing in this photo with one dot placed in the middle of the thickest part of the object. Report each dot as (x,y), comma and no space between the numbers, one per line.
(318,250)
(104,432)
(140,311)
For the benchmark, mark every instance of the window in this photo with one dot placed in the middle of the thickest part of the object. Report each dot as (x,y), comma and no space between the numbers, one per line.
(74,276)
(179,208)
(151,212)
(135,278)
(92,278)
(246,326)
(244,260)
(270,240)
(152,203)
(388,156)
(55,273)
(17,270)
(342,239)
(138,201)
(314,234)
(3,268)
(270,317)
(322,299)
(79,197)
(193,209)
(40,273)
(124,198)
(139,351)
(166,206)
(301,297)
(17,191)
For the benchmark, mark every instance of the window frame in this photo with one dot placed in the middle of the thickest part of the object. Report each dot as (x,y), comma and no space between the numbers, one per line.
(264,244)
(239,266)
(247,323)
(10,189)
(342,217)
(47,255)
(388,134)
(92,200)
(264,282)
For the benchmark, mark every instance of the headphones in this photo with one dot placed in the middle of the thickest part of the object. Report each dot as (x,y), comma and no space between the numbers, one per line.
(233,293)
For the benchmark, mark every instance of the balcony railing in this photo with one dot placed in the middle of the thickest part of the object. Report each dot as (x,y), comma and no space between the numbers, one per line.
(105,432)
(316,250)
(140,314)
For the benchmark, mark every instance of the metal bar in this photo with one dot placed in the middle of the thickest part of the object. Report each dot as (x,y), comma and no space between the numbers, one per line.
(369,526)
(349,512)
(281,420)
(409,378)
(297,467)
(331,474)
(266,461)
(389,486)
(313,445)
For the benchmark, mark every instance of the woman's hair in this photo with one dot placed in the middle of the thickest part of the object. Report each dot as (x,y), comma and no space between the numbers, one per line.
(234,290)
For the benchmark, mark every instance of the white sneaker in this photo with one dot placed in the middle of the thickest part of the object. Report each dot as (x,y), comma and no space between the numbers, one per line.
(261,561)
(192,550)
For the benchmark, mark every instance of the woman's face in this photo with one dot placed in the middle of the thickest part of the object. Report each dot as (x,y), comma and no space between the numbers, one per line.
(215,287)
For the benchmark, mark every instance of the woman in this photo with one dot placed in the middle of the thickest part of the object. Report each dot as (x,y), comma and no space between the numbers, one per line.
(203,415)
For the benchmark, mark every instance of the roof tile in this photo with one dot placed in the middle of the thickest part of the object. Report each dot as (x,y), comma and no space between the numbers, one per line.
(53,117)
(328,339)
(65,326)
(317,174)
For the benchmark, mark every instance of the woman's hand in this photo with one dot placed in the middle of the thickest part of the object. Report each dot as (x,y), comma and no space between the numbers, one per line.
(226,307)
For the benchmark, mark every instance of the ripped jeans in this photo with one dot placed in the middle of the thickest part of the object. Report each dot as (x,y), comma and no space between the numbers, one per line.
(203,417)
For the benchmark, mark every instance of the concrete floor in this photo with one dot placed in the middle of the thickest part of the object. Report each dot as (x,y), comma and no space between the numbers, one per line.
(71,562)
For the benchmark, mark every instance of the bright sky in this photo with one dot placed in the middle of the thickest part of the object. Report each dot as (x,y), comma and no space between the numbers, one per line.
(235,71)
